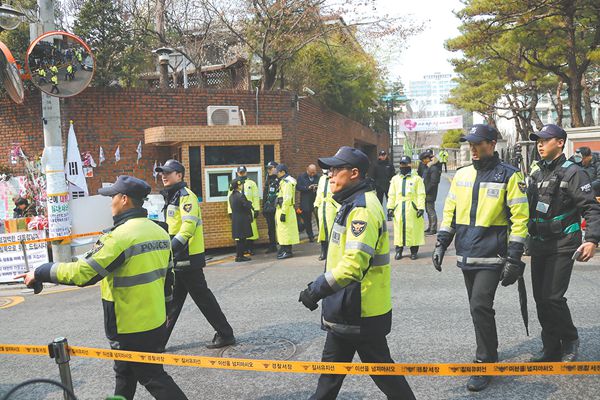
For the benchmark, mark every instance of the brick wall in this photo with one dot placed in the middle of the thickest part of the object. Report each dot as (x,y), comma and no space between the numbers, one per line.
(110,117)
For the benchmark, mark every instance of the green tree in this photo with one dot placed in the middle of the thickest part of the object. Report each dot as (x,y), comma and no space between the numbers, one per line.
(451,137)
(100,23)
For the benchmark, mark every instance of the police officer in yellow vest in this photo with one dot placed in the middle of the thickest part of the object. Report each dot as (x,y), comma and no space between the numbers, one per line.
(356,287)
(325,209)
(487,210)
(285,214)
(54,82)
(42,75)
(406,204)
(250,190)
(187,240)
(131,261)
(443,157)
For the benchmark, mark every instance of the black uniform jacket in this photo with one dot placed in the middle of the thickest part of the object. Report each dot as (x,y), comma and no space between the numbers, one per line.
(241,215)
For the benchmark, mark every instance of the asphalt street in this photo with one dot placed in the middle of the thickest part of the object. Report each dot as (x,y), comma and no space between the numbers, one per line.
(431,323)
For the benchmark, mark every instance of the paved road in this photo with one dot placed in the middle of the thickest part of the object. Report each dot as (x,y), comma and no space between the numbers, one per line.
(431,324)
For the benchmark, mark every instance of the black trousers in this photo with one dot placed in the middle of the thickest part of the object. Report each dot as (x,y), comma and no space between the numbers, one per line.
(380,193)
(152,376)
(431,214)
(192,281)
(445,166)
(370,350)
(481,287)
(307,218)
(240,247)
(270,217)
(550,276)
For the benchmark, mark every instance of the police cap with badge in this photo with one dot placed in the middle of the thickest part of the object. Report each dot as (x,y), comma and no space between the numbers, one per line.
(348,157)
(549,131)
(479,133)
(127,185)
(170,166)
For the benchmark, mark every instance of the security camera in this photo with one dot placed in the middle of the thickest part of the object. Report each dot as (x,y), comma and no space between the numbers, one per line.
(308,91)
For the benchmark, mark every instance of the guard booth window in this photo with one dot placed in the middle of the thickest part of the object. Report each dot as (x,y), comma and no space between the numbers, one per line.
(232,155)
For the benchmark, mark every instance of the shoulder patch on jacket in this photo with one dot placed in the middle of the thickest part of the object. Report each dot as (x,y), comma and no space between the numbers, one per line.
(358,227)
(187,207)
(522,187)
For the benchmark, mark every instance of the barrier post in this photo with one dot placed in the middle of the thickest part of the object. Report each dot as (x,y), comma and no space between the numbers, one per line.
(58,350)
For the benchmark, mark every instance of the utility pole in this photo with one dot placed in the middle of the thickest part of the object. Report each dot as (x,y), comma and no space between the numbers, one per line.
(59,213)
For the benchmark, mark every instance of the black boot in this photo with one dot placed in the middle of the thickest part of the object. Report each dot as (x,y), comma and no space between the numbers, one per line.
(570,350)
(271,249)
(477,383)
(221,341)
(398,255)
(285,253)
(413,252)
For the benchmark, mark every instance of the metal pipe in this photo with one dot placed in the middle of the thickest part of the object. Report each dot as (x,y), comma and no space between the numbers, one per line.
(58,350)
(256,106)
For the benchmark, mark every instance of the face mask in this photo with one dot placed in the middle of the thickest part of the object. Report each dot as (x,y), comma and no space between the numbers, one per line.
(325,172)
(577,158)
(405,170)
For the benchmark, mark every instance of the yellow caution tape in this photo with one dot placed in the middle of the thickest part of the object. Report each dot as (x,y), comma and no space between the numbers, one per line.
(306,367)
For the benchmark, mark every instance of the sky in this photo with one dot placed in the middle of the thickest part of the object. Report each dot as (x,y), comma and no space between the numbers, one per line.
(425,53)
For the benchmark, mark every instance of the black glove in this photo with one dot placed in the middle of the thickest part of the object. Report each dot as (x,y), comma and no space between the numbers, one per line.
(307,299)
(513,269)
(177,248)
(282,217)
(390,215)
(255,214)
(438,256)
(280,201)
(420,213)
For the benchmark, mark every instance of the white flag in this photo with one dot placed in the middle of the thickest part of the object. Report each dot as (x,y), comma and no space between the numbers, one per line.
(154,173)
(74,166)
(118,154)
(101,156)
(139,152)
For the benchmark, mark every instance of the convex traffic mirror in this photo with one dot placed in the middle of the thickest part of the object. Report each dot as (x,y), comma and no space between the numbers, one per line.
(60,64)
(10,78)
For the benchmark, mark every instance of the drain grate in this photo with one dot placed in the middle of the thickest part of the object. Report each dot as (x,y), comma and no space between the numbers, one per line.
(267,348)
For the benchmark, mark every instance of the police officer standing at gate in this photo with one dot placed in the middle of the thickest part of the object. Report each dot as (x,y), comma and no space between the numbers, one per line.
(285,214)
(326,208)
(487,210)
(356,287)
(250,190)
(187,240)
(560,194)
(270,203)
(131,261)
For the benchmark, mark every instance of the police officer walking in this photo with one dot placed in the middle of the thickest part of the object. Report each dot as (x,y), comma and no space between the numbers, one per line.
(250,190)
(406,205)
(134,258)
(187,240)
(431,179)
(356,287)
(560,194)
(285,215)
(487,210)
(270,204)
(326,208)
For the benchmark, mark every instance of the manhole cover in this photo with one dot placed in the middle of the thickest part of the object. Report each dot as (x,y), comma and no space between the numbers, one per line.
(268,348)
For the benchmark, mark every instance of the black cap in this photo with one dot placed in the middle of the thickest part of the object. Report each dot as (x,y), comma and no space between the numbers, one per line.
(170,166)
(405,160)
(129,185)
(549,131)
(235,184)
(382,152)
(426,154)
(479,133)
(241,168)
(281,167)
(271,164)
(346,157)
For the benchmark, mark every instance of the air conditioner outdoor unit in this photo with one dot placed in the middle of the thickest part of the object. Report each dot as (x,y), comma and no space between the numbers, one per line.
(223,115)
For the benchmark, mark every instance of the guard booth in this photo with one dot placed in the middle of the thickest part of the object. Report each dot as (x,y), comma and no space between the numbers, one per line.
(211,155)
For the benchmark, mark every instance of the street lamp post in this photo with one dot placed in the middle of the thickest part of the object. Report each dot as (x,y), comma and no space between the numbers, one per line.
(9,17)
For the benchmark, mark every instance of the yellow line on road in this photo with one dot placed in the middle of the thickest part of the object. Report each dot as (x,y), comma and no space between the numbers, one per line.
(12,301)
